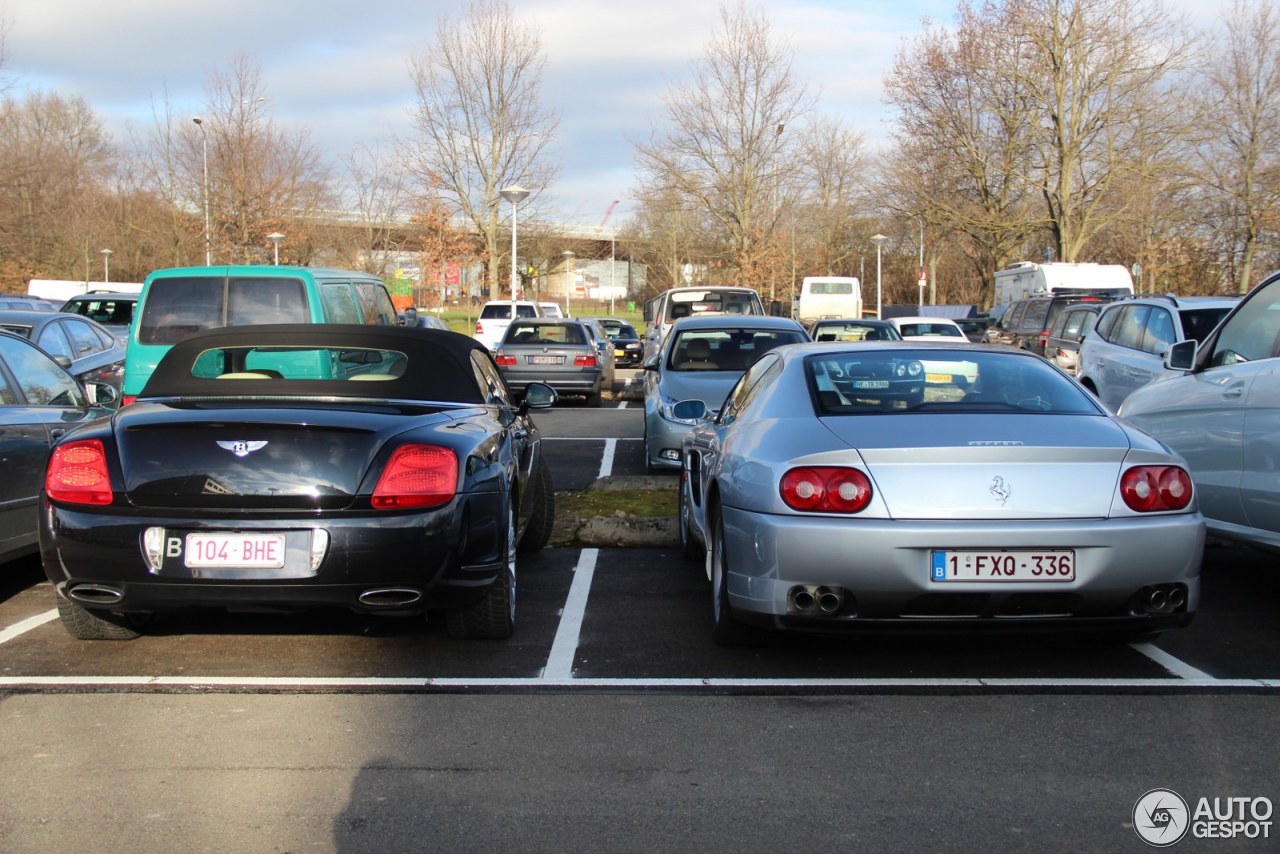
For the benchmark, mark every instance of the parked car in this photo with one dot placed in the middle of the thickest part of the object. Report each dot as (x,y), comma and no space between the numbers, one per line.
(422,320)
(937,330)
(90,352)
(24,303)
(560,353)
(852,329)
(974,328)
(236,482)
(1129,343)
(497,315)
(1218,405)
(604,345)
(1062,347)
(701,358)
(113,310)
(1026,323)
(628,349)
(550,309)
(177,302)
(829,496)
(39,402)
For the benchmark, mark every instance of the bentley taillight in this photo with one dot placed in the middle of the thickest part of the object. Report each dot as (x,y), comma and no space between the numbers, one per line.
(826,489)
(1148,489)
(417,476)
(77,474)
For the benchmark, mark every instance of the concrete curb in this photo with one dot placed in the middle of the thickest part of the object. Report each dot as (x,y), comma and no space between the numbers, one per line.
(631,531)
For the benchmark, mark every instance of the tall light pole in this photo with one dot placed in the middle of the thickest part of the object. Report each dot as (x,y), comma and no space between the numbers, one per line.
(921,275)
(878,240)
(106,266)
(208,245)
(568,291)
(612,291)
(515,194)
(275,237)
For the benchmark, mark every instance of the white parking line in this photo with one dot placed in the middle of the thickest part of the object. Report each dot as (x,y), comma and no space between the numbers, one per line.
(1176,666)
(27,625)
(565,645)
(606,459)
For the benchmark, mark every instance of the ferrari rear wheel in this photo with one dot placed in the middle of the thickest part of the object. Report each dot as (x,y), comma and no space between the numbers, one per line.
(542,520)
(85,624)
(493,616)
(726,629)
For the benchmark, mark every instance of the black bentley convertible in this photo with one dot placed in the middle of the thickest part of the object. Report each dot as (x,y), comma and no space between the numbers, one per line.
(379,469)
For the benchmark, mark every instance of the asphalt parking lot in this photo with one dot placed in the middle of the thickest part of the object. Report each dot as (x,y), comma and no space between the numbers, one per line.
(620,618)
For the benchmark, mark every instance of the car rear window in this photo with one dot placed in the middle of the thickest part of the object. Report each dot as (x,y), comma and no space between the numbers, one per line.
(887,380)
(545,333)
(178,307)
(1199,322)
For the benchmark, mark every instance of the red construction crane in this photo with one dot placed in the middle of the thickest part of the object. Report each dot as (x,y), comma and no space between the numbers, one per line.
(608,213)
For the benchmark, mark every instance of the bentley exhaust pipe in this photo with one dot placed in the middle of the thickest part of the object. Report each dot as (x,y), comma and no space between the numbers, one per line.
(95,594)
(390,597)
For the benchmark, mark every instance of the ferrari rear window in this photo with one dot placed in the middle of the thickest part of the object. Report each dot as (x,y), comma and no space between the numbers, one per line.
(886,380)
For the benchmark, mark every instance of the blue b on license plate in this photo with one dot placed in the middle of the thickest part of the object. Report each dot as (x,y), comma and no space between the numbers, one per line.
(1002,565)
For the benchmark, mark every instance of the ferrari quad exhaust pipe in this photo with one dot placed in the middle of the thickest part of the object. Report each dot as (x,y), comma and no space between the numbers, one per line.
(390,597)
(95,594)
(1160,599)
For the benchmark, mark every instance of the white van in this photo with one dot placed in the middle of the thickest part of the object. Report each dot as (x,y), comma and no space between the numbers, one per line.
(671,305)
(829,296)
(1028,279)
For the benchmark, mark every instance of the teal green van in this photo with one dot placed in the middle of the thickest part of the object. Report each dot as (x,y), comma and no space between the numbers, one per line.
(179,301)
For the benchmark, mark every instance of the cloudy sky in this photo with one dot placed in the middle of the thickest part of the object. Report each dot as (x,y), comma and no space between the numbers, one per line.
(339,68)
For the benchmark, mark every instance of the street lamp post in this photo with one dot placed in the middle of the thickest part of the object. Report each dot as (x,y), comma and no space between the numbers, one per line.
(106,266)
(208,245)
(275,237)
(514,194)
(921,275)
(568,290)
(878,240)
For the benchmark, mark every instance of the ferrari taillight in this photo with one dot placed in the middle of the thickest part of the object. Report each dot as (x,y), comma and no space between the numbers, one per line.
(826,489)
(1151,488)
(77,474)
(417,476)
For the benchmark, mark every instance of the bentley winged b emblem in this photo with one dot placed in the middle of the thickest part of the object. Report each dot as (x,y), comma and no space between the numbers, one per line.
(240,447)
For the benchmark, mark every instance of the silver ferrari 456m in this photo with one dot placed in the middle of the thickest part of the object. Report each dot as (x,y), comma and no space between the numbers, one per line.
(849,487)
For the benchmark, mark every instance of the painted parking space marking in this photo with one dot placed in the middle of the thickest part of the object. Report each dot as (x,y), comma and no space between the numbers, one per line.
(606,459)
(1176,666)
(565,645)
(22,627)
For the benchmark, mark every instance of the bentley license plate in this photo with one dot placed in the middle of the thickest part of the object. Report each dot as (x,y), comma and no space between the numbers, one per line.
(232,550)
(1003,565)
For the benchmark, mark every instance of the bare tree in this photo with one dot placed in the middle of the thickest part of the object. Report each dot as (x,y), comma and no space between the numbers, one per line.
(262,178)
(1240,154)
(376,195)
(479,120)
(723,149)
(833,161)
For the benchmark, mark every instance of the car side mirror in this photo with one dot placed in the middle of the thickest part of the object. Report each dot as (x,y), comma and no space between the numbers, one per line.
(651,363)
(1181,356)
(101,394)
(540,396)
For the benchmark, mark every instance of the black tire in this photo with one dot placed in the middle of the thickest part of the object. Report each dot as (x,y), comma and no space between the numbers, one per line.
(725,627)
(85,624)
(493,616)
(542,520)
(690,549)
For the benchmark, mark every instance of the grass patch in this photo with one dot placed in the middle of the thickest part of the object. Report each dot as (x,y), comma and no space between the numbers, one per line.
(573,509)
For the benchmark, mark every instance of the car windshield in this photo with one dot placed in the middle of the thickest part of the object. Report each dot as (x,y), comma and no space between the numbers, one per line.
(853,331)
(725,349)
(899,380)
(930,330)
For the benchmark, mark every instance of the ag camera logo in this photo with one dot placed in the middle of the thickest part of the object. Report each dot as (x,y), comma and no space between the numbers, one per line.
(1160,817)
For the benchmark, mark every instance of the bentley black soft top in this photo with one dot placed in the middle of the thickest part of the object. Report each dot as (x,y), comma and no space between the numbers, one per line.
(313,359)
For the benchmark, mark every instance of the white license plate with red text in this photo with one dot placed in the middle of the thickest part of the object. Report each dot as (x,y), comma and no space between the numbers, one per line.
(1002,565)
(234,550)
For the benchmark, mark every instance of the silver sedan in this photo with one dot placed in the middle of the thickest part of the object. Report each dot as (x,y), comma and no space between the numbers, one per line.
(840,488)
